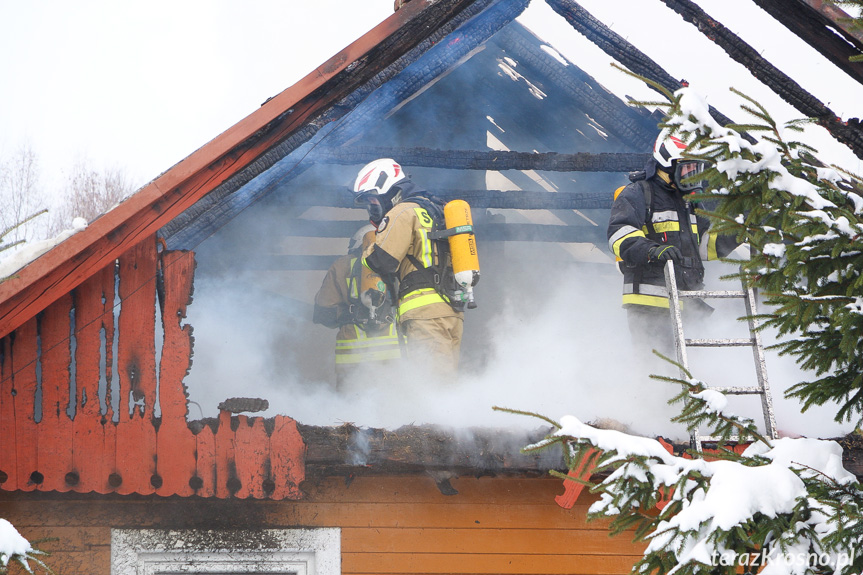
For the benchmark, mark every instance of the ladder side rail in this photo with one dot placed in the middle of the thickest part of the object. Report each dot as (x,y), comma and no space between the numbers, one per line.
(679,339)
(676,317)
(760,362)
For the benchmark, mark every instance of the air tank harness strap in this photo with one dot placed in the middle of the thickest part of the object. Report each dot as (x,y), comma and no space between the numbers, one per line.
(423,277)
(420,278)
(442,234)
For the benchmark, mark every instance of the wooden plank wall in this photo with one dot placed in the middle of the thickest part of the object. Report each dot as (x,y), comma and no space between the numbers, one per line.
(389,525)
(58,432)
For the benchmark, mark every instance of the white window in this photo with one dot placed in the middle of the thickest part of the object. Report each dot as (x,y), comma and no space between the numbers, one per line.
(234,552)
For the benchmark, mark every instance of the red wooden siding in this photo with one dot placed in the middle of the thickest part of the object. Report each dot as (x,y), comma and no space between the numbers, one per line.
(59,433)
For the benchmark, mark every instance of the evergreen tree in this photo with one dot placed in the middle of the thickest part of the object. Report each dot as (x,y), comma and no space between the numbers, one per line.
(804,224)
(782,506)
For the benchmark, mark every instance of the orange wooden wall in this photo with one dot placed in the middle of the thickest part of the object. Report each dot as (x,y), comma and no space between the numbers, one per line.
(390,525)
(46,446)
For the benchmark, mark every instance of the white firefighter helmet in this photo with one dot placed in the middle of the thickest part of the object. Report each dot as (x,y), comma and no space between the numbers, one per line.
(356,241)
(378,177)
(667,148)
(668,153)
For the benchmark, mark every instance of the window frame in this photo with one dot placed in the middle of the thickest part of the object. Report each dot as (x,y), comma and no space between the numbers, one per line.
(226,551)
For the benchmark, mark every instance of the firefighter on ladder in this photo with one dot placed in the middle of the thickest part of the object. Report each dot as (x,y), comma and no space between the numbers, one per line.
(430,308)
(652,221)
(366,333)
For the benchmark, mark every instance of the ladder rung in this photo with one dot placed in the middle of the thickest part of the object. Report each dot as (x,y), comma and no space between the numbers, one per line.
(711,294)
(739,390)
(715,439)
(748,294)
(734,342)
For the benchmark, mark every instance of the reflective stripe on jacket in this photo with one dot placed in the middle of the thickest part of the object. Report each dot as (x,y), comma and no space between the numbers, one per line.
(404,232)
(631,235)
(363,347)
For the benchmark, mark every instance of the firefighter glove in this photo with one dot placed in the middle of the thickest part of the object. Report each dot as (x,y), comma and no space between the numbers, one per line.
(663,253)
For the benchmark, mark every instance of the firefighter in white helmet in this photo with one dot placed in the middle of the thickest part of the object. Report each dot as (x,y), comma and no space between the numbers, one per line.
(429,307)
(366,332)
(653,221)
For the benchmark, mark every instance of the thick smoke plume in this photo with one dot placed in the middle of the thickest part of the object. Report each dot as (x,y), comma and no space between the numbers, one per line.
(549,337)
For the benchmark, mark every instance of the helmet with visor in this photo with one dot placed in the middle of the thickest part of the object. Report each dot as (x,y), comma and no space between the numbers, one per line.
(668,153)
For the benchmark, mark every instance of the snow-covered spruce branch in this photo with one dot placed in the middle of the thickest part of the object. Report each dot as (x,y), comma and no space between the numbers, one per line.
(769,504)
(804,223)
(16,549)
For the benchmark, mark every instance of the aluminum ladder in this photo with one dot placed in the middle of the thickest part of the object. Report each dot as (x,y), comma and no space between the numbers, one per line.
(754,341)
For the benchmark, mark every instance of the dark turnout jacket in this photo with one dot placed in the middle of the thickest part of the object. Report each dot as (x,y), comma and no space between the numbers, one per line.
(650,212)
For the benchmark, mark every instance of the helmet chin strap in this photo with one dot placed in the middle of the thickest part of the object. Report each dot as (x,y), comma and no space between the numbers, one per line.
(376,213)
(664,176)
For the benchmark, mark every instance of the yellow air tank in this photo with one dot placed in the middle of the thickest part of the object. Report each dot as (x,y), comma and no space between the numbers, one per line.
(462,245)
(372,288)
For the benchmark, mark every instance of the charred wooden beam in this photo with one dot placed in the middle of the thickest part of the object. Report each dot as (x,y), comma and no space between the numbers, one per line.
(486,160)
(319,263)
(820,29)
(618,48)
(440,58)
(349,449)
(331,103)
(626,123)
(849,133)
(484,232)
(338,197)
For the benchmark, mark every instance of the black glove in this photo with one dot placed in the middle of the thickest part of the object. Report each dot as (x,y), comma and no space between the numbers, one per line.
(663,253)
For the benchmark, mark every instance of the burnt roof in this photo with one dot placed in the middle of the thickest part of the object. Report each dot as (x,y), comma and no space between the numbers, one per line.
(422,42)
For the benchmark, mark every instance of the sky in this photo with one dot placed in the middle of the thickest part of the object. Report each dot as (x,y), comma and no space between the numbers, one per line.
(141,86)
(140,89)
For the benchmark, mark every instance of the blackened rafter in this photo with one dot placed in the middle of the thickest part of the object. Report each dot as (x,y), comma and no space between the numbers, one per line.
(849,133)
(637,127)
(819,29)
(486,160)
(618,48)
(341,197)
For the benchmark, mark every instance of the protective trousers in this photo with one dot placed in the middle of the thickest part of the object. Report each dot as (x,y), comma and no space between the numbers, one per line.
(434,344)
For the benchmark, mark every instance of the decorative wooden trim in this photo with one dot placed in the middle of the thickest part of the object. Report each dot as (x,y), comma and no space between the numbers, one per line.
(87,445)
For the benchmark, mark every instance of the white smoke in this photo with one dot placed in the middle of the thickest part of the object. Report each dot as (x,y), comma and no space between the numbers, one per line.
(546,339)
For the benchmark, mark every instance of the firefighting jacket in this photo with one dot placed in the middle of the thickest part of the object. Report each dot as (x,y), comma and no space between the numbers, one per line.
(336,305)
(404,250)
(668,219)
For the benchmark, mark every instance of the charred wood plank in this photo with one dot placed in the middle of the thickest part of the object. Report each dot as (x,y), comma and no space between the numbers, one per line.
(487,160)
(632,126)
(849,133)
(484,232)
(820,28)
(338,197)
(618,48)
(294,263)
(345,449)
